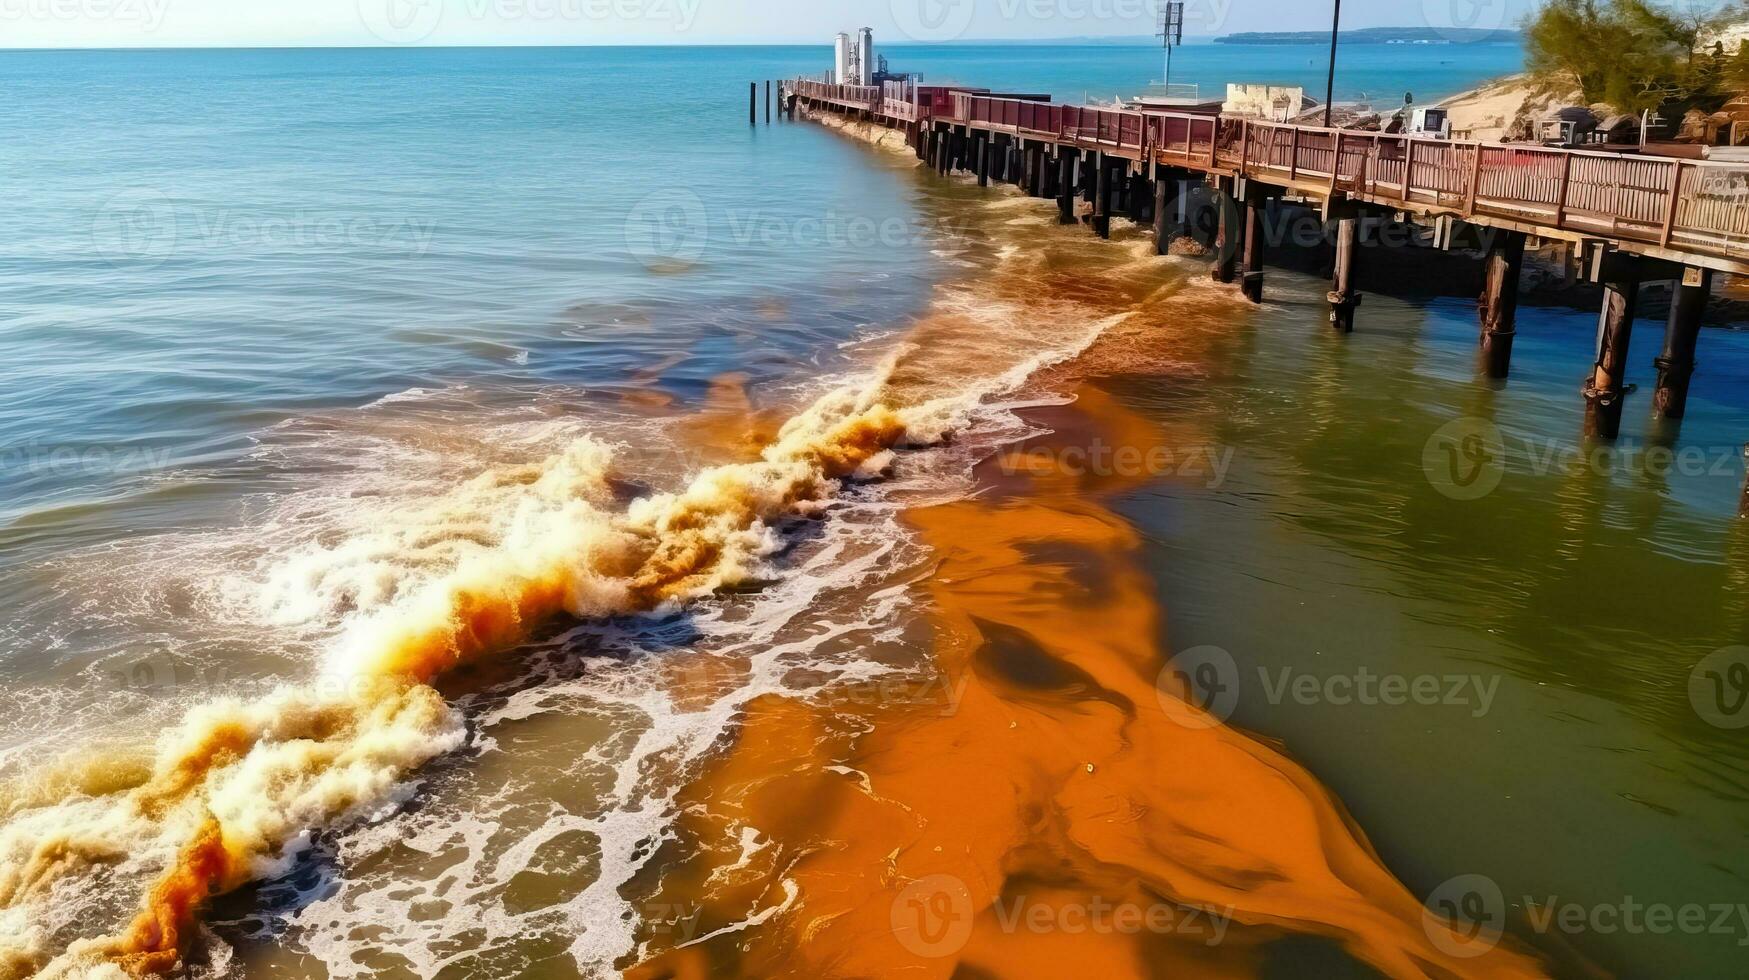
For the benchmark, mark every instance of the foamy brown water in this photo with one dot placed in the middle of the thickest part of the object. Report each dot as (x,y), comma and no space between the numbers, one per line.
(724,793)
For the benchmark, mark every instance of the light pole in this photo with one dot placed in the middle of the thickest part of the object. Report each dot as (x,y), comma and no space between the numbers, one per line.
(1330,85)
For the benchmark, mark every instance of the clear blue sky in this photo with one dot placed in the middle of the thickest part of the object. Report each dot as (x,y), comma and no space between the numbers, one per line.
(175,23)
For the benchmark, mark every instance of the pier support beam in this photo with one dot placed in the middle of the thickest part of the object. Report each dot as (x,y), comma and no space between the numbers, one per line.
(1067,158)
(1090,164)
(1166,190)
(1035,168)
(1141,198)
(1344,298)
(1499,304)
(1605,389)
(1102,198)
(1743,504)
(1252,283)
(1681,335)
(1226,258)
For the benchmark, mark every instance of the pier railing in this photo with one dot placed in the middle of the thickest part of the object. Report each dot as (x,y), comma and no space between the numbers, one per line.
(867,97)
(1683,205)
(1692,205)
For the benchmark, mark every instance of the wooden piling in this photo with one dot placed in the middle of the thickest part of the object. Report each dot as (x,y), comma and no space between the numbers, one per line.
(1090,164)
(1226,259)
(981,158)
(1743,503)
(1252,283)
(1102,198)
(1343,296)
(752,103)
(1499,302)
(1035,168)
(1067,158)
(768,102)
(1681,335)
(1165,203)
(1606,389)
(1141,198)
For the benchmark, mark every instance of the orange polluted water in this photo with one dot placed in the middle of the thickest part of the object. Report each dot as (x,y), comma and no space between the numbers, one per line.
(1061,811)
(900,832)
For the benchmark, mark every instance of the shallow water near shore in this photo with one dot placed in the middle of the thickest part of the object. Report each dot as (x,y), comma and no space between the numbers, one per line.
(256,438)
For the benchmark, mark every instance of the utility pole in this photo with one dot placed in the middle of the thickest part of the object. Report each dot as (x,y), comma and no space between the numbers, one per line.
(1172,30)
(1330,86)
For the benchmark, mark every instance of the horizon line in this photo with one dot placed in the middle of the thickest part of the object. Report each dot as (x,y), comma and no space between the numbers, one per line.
(1112,39)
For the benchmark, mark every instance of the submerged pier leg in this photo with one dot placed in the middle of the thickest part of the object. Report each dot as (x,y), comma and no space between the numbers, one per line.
(982,150)
(1226,233)
(1166,191)
(1344,298)
(1681,335)
(1252,283)
(1090,164)
(1036,183)
(1606,390)
(1141,201)
(1102,198)
(1067,158)
(1743,504)
(1499,304)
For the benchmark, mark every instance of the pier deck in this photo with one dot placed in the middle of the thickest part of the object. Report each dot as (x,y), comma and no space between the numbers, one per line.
(1629,218)
(1692,212)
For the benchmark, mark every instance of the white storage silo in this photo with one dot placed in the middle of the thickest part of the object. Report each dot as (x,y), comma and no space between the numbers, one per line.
(865,58)
(841,61)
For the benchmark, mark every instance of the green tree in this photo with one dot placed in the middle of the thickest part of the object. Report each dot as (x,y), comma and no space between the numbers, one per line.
(1629,54)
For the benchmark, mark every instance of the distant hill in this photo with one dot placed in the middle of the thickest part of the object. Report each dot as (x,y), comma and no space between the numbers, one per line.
(1374,35)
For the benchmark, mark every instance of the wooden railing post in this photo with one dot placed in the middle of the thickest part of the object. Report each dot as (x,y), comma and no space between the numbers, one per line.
(1336,162)
(1293,160)
(1409,169)
(1475,181)
(1675,199)
(1566,180)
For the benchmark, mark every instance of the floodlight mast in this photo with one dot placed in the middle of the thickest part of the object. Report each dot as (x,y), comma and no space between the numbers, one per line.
(1172,33)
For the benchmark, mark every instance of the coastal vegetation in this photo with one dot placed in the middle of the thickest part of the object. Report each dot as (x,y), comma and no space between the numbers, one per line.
(1634,55)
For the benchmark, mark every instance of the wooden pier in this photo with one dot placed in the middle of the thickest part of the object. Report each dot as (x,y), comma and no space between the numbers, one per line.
(1630,219)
